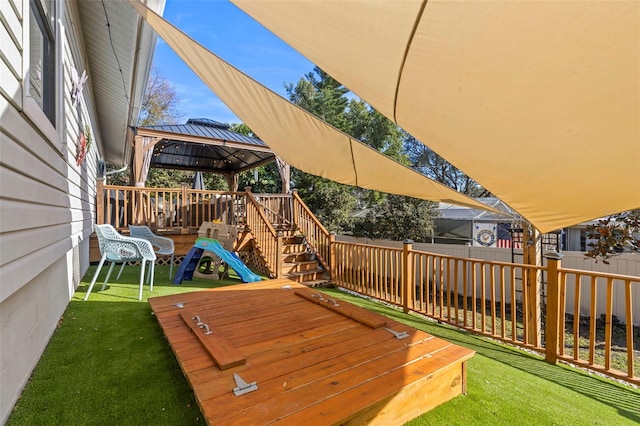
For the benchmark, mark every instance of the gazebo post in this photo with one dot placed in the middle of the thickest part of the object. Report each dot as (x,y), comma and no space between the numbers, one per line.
(232,181)
(285,174)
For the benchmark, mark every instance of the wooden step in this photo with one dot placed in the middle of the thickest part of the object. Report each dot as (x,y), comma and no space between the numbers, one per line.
(293,248)
(302,277)
(293,239)
(299,256)
(322,283)
(306,265)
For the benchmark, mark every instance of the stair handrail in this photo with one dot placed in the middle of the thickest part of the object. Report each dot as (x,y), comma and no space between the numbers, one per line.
(265,236)
(275,214)
(316,235)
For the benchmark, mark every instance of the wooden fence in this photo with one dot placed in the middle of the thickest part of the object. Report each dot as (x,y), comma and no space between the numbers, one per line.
(503,300)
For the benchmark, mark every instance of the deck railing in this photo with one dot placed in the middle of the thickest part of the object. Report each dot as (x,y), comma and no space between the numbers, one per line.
(590,335)
(277,209)
(167,208)
(183,210)
(500,300)
(266,239)
(316,236)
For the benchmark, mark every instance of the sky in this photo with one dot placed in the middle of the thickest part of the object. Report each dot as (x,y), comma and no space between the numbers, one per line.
(235,37)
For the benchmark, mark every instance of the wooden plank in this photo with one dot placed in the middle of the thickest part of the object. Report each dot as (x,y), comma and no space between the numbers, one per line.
(365,317)
(223,352)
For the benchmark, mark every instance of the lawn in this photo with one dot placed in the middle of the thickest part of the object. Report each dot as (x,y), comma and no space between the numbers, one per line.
(109,363)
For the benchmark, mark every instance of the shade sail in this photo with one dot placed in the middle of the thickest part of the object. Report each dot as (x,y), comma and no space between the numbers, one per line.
(298,137)
(539,102)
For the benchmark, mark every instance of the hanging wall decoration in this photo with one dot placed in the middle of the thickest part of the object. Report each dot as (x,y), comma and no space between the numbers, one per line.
(77,83)
(84,143)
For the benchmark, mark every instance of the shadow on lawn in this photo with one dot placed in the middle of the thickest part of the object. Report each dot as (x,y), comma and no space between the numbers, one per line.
(127,287)
(625,400)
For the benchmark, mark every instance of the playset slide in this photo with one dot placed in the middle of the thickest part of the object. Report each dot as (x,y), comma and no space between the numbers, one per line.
(192,260)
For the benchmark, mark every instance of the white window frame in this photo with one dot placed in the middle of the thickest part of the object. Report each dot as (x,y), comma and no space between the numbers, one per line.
(53,132)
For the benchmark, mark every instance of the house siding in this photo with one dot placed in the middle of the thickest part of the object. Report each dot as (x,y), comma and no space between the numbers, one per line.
(11,50)
(46,201)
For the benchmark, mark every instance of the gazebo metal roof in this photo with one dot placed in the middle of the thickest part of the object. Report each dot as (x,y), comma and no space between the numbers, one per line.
(205,145)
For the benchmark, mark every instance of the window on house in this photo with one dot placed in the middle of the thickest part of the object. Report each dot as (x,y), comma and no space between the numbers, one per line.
(42,57)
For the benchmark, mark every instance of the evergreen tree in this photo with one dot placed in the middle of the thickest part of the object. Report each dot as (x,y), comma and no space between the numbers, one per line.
(429,163)
(399,218)
(395,217)
(323,96)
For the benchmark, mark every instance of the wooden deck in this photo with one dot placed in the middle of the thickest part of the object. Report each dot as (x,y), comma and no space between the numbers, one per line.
(313,360)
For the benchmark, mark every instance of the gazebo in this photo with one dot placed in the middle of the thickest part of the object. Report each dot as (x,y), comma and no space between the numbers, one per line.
(201,145)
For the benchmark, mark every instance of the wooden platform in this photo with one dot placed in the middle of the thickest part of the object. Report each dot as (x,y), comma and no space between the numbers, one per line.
(313,360)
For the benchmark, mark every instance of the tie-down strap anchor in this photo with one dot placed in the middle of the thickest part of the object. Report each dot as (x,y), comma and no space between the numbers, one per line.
(398,334)
(243,387)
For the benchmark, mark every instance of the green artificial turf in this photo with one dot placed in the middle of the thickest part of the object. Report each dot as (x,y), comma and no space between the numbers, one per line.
(108,363)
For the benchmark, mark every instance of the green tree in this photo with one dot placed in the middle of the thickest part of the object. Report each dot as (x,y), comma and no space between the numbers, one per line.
(263,179)
(399,218)
(170,178)
(243,129)
(429,163)
(320,94)
(323,96)
(369,126)
(333,203)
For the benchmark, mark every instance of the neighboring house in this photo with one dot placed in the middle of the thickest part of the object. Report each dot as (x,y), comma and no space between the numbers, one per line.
(463,225)
(72,76)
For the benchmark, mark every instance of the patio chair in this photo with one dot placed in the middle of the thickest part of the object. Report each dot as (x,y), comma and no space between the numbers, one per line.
(117,248)
(165,246)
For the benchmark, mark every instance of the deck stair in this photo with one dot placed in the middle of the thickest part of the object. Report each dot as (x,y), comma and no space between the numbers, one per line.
(298,264)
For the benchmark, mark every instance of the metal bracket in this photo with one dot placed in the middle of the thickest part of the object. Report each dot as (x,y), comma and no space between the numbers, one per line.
(398,334)
(180,304)
(243,387)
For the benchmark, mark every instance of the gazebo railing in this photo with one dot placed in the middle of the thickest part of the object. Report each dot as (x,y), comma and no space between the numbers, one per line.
(167,208)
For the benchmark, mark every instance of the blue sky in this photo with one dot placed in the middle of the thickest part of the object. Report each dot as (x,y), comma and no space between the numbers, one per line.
(234,36)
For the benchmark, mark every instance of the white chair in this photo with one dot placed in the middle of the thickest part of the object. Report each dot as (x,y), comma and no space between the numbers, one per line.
(164,246)
(117,248)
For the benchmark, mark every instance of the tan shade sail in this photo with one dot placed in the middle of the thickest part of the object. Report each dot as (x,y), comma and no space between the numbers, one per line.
(299,138)
(537,101)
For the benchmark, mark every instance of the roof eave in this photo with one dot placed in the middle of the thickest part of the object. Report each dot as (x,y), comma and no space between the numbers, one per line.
(115,61)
